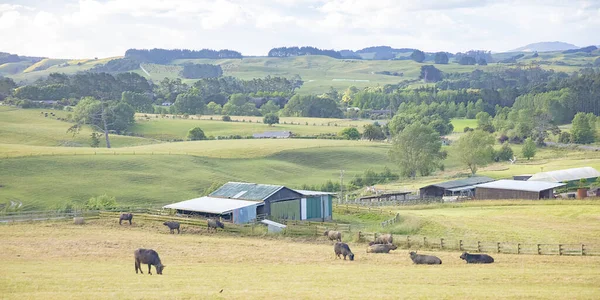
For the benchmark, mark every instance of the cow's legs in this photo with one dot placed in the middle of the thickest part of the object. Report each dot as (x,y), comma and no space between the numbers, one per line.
(150,269)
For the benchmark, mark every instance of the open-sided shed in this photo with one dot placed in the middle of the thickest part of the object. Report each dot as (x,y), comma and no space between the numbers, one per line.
(238,211)
(568,175)
(461,187)
(516,189)
(315,205)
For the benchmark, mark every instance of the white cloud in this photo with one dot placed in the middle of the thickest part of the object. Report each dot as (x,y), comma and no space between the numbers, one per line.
(88,28)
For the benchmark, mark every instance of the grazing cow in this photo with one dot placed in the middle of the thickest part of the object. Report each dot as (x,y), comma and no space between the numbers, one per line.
(214,224)
(477,258)
(381,248)
(424,259)
(172,226)
(343,249)
(150,257)
(126,217)
(333,235)
(384,239)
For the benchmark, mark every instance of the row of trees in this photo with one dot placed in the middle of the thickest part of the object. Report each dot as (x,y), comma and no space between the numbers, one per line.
(301,51)
(164,56)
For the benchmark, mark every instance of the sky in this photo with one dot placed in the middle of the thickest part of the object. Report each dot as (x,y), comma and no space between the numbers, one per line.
(106,28)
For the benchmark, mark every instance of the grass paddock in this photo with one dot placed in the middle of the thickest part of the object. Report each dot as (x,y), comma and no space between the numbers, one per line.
(64,261)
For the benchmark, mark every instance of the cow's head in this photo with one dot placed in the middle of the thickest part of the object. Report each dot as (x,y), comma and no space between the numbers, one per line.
(393,247)
(326,233)
(160,268)
(351,256)
(412,253)
(463,256)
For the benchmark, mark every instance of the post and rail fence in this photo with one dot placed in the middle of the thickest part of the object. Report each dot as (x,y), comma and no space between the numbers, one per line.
(309,228)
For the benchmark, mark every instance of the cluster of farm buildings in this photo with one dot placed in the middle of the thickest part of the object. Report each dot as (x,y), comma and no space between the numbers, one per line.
(240,202)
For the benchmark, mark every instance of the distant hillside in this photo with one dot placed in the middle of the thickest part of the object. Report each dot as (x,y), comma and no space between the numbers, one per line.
(545,47)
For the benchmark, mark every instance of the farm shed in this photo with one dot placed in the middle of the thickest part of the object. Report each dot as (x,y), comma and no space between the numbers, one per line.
(523,177)
(273,135)
(278,200)
(462,187)
(237,211)
(516,189)
(315,205)
(392,196)
(568,175)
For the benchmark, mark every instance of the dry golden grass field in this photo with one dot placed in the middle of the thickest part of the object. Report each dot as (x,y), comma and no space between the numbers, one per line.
(58,260)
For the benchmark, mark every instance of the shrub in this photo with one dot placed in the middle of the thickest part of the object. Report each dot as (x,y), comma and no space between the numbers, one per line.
(196,134)
(101,202)
(503,138)
(226,118)
(350,133)
(467,129)
(505,153)
(564,137)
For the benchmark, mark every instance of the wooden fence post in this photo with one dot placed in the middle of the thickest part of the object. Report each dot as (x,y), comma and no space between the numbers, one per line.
(519,248)
(582,249)
(539,249)
(498,247)
(460,245)
(560,249)
(408,241)
(424,241)
(478,246)
(442,243)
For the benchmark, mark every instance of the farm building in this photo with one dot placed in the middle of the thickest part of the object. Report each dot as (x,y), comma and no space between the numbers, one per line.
(236,211)
(385,197)
(571,176)
(516,189)
(273,135)
(243,202)
(460,187)
(522,177)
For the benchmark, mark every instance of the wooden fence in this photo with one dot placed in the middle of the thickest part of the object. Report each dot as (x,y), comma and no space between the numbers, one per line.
(315,229)
(407,202)
(391,221)
(362,209)
(422,242)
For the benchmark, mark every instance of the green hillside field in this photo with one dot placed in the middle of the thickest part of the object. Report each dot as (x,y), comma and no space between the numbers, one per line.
(318,72)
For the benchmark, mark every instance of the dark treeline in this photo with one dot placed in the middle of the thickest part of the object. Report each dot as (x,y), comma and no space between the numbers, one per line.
(164,56)
(300,51)
(198,71)
(98,85)
(118,65)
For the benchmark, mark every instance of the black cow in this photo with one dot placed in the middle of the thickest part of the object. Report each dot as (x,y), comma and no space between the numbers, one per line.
(126,217)
(172,226)
(150,257)
(477,258)
(343,249)
(214,224)
(425,259)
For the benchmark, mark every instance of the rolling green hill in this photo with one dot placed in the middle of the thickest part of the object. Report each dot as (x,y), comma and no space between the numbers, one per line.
(318,72)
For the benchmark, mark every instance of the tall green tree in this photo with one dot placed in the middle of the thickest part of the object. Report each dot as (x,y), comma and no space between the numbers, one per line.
(196,134)
(188,103)
(140,102)
(102,116)
(418,56)
(441,58)
(584,128)
(529,148)
(475,149)
(271,119)
(484,121)
(373,132)
(417,150)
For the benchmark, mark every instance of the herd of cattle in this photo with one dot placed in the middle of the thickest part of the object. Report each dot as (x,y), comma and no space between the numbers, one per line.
(384,244)
(381,244)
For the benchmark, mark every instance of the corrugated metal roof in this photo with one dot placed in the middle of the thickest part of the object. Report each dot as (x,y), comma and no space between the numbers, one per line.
(248,191)
(461,182)
(462,188)
(272,134)
(211,205)
(566,175)
(313,193)
(519,185)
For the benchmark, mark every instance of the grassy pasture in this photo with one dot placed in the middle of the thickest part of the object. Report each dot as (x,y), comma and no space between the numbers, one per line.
(63,261)
(29,127)
(164,128)
(44,182)
(460,124)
